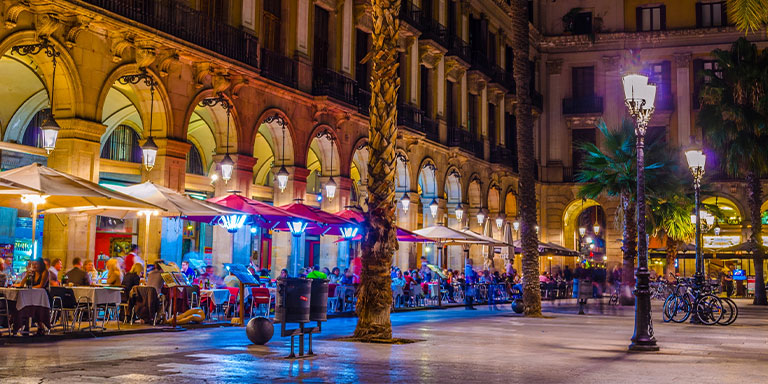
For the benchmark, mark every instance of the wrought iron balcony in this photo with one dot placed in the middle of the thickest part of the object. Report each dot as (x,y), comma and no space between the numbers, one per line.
(459,48)
(410,14)
(333,84)
(500,76)
(480,61)
(178,19)
(583,105)
(279,68)
(363,101)
(431,29)
(410,117)
(505,156)
(431,128)
(458,137)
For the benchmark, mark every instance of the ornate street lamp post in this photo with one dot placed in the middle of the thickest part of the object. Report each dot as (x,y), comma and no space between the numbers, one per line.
(226,164)
(696,161)
(639,97)
(49,127)
(149,148)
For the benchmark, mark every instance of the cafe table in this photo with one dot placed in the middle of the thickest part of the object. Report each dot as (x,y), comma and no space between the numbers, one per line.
(217,296)
(98,296)
(28,304)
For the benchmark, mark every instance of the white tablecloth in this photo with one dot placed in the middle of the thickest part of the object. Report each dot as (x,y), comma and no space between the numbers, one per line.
(98,295)
(27,297)
(218,296)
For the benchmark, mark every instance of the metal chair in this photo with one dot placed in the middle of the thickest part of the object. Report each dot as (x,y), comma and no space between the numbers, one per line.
(63,305)
(261,296)
(5,312)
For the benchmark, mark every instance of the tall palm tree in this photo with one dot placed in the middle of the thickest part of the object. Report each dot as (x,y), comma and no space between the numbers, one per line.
(734,121)
(671,218)
(380,241)
(526,161)
(748,15)
(611,171)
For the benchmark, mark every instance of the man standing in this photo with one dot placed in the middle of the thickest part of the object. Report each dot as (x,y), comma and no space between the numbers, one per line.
(132,257)
(470,277)
(77,276)
(728,280)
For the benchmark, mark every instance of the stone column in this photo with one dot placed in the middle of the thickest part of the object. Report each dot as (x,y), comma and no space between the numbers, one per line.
(77,152)
(346,38)
(407,220)
(555,134)
(282,241)
(415,73)
(229,247)
(682,65)
(614,92)
(464,95)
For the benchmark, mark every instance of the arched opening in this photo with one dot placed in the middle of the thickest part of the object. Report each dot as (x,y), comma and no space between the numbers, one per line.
(322,163)
(264,153)
(358,172)
(721,232)
(195,161)
(584,228)
(122,145)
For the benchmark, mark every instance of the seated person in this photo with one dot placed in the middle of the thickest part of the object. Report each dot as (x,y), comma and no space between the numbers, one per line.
(155,278)
(114,273)
(188,271)
(316,273)
(77,276)
(132,278)
(348,278)
(215,280)
(231,281)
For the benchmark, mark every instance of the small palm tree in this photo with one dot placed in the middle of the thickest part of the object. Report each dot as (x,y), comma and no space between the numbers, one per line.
(671,219)
(734,121)
(612,170)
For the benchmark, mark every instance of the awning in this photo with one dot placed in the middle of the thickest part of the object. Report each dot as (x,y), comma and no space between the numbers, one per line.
(326,223)
(265,215)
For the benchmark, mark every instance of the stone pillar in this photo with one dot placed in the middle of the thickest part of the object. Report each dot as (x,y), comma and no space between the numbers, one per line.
(440,87)
(77,153)
(555,135)
(229,247)
(301,50)
(682,66)
(463,91)
(413,64)
(614,92)
(407,220)
(346,38)
(170,166)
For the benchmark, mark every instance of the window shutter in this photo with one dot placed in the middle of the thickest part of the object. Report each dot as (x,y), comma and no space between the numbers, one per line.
(639,18)
(698,66)
(724,14)
(698,15)
(663,17)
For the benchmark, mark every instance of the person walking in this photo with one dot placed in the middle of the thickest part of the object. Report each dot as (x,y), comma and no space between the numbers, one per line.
(470,277)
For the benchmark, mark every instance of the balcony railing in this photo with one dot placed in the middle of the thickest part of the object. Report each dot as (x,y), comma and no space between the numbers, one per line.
(409,116)
(583,105)
(363,101)
(177,19)
(500,76)
(432,30)
(410,14)
(431,128)
(458,47)
(329,83)
(480,61)
(458,137)
(503,155)
(279,68)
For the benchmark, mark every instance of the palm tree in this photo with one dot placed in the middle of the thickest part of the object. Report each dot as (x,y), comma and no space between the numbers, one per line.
(735,124)
(612,171)
(671,218)
(380,241)
(526,162)
(748,15)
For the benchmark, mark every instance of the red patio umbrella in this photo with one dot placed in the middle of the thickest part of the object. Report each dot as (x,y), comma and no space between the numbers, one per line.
(327,223)
(267,216)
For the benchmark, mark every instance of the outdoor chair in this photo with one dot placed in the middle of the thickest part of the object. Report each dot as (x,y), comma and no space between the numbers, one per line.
(232,301)
(261,296)
(5,314)
(333,301)
(63,305)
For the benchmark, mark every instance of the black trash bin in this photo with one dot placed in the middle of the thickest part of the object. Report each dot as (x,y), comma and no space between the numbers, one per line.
(318,307)
(292,300)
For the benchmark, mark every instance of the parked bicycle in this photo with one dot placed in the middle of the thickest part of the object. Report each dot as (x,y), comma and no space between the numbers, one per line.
(709,309)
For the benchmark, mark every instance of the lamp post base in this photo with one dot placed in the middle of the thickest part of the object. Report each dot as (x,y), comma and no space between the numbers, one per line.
(646,346)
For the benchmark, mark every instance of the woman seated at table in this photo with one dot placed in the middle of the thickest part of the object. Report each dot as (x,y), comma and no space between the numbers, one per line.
(114,274)
(93,274)
(132,278)
(38,273)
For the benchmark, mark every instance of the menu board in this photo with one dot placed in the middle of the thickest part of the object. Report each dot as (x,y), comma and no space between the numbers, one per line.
(241,273)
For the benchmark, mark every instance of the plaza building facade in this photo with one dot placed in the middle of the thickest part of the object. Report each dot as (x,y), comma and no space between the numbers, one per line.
(293,72)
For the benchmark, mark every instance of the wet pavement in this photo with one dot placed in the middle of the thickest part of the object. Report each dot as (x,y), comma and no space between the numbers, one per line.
(455,346)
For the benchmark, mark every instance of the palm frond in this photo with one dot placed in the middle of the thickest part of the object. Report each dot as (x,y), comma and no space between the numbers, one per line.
(748,15)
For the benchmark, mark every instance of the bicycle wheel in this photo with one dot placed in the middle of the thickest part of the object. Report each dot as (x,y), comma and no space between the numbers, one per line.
(670,304)
(731,311)
(709,309)
(683,309)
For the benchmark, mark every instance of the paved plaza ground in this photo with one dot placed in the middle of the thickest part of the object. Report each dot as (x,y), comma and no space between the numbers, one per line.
(456,346)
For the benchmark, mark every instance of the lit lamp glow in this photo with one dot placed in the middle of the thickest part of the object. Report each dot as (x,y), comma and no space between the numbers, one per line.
(330,189)
(232,222)
(282,178)
(582,231)
(459,212)
(50,130)
(149,153)
(226,168)
(480,216)
(405,202)
(297,227)
(433,208)
(596,229)
(148,215)
(499,221)
(348,232)
(516,225)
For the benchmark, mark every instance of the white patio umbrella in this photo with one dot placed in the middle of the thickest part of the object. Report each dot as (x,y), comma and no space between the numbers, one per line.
(48,189)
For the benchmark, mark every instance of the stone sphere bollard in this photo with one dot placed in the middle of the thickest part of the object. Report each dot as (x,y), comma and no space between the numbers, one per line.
(259,330)
(517,306)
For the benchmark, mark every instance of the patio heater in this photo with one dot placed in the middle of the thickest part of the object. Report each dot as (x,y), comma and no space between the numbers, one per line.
(49,127)
(297,228)
(147,216)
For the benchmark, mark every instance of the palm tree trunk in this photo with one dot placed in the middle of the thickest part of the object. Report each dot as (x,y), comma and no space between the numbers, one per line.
(754,199)
(526,162)
(629,249)
(671,256)
(380,241)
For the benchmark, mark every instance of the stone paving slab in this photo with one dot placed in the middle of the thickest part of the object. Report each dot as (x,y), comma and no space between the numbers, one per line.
(458,347)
